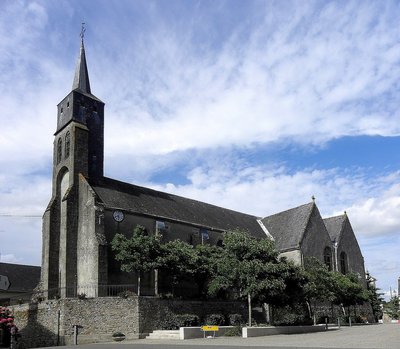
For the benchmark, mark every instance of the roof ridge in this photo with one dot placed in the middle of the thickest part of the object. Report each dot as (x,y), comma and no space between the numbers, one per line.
(290,209)
(312,206)
(173,195)
(340,215)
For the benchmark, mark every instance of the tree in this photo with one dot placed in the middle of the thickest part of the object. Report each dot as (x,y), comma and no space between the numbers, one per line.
(206,257)
(392,307)
(348,291)
(248,267)
(177,259)
(140,252)
(376,300)
(319,285)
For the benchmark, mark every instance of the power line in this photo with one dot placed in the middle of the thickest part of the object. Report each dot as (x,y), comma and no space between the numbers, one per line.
(20,215)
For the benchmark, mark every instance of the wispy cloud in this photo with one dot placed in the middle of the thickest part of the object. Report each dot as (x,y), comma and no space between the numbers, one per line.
(189,85)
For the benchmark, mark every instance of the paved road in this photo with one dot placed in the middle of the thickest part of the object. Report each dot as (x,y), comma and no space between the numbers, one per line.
(381,336)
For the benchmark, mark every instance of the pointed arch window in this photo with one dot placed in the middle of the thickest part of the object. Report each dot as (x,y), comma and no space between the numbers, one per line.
(343,263)
(328,257)
(67,144)
(59,150)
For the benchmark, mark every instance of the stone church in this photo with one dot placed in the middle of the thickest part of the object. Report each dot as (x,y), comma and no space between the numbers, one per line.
(87,209)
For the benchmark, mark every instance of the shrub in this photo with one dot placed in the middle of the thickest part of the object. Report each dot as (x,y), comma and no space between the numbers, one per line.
(174,321)
(235,319)
(290,316)
(187,320)
(169,322)
(215,319)
(126,294)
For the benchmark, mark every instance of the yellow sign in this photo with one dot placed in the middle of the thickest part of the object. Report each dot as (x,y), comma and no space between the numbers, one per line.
(210,328)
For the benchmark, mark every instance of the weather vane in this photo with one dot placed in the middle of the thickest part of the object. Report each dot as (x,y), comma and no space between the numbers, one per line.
(83,29)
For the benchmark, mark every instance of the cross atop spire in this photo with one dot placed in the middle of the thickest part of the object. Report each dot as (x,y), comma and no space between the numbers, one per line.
(81,79)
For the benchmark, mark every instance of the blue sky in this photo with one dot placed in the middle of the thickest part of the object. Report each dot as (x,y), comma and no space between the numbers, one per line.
(251,105)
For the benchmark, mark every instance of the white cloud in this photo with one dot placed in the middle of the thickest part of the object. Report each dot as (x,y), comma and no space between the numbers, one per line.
(316,78)
(286,71)
(8,258)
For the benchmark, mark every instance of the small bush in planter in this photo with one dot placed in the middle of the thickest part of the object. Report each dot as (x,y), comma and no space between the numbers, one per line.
(187,320)
(215,319)
(235,319)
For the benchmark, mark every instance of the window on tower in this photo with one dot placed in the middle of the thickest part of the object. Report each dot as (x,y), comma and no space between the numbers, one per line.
(67,145)
(59,150)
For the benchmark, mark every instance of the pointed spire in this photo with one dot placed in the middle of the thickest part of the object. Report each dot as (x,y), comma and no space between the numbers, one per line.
(81,79)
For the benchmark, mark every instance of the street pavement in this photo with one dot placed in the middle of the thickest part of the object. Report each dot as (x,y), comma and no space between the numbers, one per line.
(382,336)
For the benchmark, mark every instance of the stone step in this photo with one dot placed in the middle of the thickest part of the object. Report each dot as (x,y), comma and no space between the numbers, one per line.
(164,334)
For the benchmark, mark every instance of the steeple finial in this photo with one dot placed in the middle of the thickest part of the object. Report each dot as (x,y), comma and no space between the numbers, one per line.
(81,78)
(83,29)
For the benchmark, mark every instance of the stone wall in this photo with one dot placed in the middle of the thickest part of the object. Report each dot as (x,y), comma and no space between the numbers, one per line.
(51,323)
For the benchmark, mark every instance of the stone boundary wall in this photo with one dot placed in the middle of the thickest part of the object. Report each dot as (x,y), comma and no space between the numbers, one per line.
(51,323)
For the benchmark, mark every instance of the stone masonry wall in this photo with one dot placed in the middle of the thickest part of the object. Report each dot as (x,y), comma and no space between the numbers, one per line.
(50,323)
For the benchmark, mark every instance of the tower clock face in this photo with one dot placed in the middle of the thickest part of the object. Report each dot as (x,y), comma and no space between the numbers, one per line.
(118,216)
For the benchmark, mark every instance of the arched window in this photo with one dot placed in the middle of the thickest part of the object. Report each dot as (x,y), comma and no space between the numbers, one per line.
(67,144)
(328,257)
(59,150)
(343,263)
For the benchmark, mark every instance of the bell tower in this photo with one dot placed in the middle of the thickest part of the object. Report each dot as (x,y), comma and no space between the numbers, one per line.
(78,150)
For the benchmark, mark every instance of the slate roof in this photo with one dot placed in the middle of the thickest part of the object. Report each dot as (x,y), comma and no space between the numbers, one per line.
(23,278)
(288,227)
(334,226)
(81,78)
(141,200)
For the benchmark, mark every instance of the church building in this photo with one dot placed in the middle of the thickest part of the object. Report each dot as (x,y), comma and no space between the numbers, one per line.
(87,209)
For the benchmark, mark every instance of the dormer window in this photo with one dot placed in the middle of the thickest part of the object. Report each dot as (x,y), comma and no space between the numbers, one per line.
(67,145)
(59,150)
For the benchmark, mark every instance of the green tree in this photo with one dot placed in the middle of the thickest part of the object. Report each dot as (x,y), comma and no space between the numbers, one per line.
(376,301)
(206,257)
(392,308)
(248,267)
(140,252)
(348,291)
(178,260)
(319,285)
